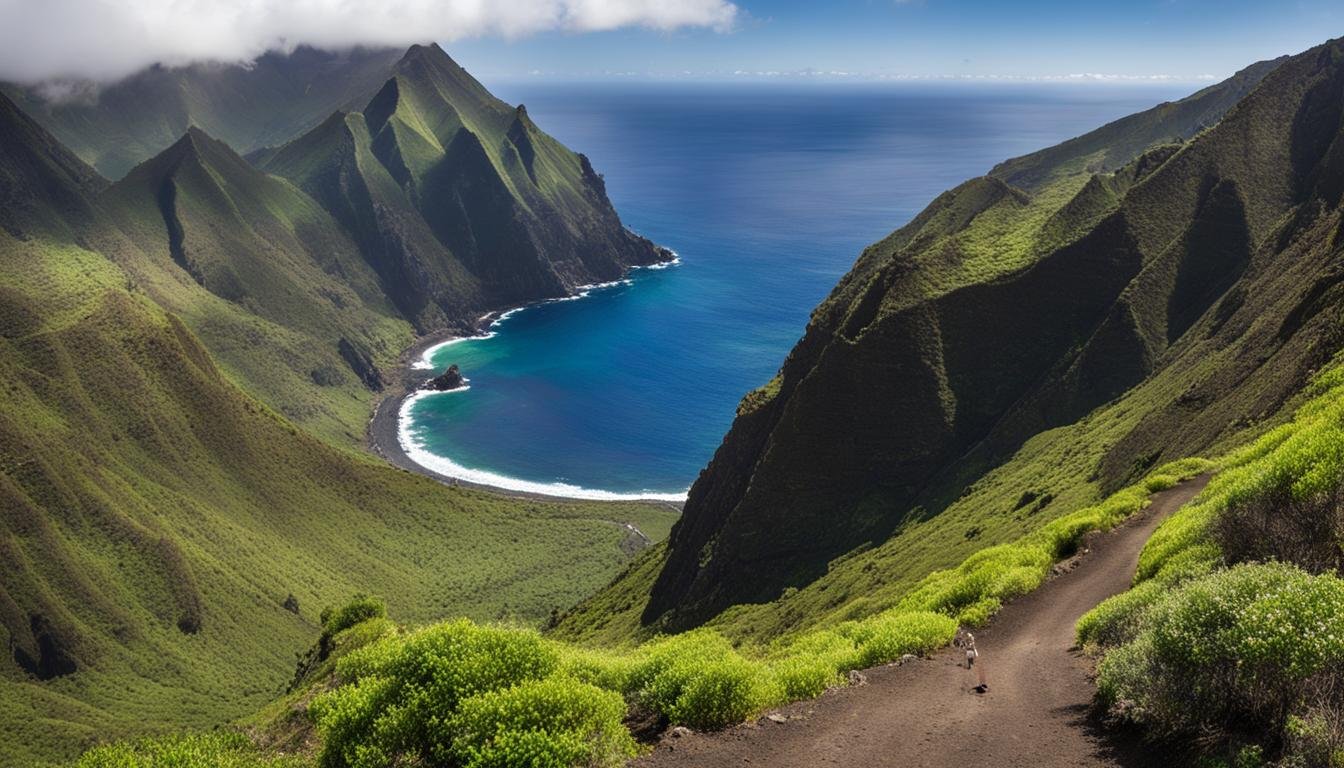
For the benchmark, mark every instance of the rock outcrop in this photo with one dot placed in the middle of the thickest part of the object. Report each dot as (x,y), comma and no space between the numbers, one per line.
(448,380)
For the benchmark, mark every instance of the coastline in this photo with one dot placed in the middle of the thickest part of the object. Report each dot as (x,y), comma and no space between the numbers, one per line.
(383,431)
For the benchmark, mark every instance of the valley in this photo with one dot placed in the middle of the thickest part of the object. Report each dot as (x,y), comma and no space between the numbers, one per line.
(1086,403)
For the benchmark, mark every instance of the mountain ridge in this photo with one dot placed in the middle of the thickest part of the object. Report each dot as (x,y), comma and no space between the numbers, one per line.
(913,394)
(115,126)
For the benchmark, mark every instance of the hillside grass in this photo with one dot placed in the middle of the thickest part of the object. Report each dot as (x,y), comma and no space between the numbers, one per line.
(158,518)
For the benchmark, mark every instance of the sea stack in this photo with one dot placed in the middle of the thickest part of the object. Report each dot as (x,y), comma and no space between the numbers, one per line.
(449,379)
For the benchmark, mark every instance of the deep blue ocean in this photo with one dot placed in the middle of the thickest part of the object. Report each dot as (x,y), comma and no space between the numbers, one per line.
(768,192)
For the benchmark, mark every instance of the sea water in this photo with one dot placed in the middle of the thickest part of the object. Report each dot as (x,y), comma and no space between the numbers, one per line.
(768,192)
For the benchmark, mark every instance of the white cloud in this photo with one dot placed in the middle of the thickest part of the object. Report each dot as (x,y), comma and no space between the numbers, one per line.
(108,39)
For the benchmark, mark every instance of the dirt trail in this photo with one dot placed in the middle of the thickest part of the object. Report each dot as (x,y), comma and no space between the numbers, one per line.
(1036,712)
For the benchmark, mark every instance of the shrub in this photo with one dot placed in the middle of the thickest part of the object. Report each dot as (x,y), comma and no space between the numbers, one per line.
(889,636)
(401,690)
(336,620)
(699,679)
(979,613)
(1276,525)
(1315,737)
(1118,620)
(360,608)
(805,677)
(719,693)
(554,722)
(1242,645)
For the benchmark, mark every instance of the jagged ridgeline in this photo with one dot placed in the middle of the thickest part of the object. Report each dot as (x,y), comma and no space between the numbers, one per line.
(188,357)
(457,198)
(1035,338)
(116,126)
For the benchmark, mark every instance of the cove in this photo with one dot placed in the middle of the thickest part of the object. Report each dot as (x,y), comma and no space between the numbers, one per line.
(768,191)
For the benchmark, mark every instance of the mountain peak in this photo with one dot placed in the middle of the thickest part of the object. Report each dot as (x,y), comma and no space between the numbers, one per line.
(427,52)
(195,147)
(195,142)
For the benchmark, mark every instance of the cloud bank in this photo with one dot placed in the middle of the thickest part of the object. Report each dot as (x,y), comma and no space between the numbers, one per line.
(106,40)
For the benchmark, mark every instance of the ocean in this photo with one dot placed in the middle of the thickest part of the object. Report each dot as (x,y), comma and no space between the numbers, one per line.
(768,192)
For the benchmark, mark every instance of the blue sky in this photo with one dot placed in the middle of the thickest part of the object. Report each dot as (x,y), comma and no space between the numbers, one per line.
(1034,38)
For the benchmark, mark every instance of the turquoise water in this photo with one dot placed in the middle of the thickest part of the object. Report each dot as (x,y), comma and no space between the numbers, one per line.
(768,192)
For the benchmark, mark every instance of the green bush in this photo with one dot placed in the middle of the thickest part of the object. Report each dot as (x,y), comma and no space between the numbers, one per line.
(1118,619)
(699,679)
(360,608)
(1241,645)
(805,677)
(222,749)
(401,690)
(554,722)
(889,636)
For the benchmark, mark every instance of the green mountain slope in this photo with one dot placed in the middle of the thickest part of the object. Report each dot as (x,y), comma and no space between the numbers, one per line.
(441,181)
(42,182)
(335,164)
(159,509)
(263,274)
(1014,353)
(115,127)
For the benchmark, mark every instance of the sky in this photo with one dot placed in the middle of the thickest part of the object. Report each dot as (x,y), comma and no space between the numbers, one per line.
(1183,39)
(1053,39)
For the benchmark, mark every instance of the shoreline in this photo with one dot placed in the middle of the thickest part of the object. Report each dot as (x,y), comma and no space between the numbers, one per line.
(382,435)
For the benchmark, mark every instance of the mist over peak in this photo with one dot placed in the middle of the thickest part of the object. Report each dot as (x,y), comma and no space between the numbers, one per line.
(103,40)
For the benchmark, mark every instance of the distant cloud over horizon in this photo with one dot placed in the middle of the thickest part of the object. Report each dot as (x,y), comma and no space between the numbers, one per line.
(106,40)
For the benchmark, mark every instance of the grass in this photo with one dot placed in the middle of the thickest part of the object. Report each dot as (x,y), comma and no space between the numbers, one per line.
(148,494)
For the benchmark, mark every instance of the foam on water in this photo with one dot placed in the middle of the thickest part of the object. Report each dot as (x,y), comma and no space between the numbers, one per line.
(446,466)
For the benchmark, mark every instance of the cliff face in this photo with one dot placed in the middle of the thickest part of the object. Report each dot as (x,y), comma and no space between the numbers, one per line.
(1022,301)
(459,201)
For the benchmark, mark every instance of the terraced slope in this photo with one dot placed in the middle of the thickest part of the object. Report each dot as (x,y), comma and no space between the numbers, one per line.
(1011,349)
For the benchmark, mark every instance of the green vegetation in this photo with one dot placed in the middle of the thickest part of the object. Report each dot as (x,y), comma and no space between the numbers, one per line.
(1210,643)
(170,530)
(463,693)
(1159,288)
(147,491)
(188,356)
